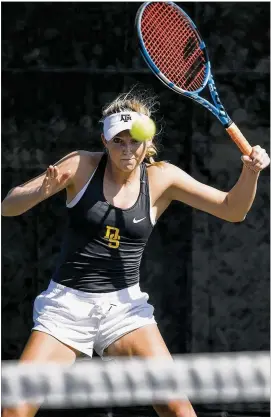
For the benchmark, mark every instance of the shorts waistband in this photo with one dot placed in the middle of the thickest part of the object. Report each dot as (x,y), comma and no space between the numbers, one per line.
(124,295)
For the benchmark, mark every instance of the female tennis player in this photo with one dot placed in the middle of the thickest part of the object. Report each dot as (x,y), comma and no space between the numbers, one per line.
(114,199)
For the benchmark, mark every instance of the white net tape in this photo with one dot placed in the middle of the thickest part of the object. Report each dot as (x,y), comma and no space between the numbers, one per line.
(202,378)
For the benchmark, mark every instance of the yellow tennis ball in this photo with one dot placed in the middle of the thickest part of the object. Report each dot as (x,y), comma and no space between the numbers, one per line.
(143,129)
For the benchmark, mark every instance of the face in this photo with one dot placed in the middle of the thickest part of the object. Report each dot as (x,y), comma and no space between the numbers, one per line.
(125,152)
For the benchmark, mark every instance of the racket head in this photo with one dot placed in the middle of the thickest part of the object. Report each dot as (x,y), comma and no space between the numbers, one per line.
(172,47)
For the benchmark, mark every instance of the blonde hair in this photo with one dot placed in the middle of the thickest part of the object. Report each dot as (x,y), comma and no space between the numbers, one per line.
(137,102)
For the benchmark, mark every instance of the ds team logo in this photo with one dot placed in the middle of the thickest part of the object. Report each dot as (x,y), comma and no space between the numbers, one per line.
(112,234)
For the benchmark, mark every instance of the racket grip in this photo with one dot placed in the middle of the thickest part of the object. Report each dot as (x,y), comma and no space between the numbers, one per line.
(240,140)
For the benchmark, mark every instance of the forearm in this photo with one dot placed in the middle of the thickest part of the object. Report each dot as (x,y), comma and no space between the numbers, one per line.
(20,199)
(241,196)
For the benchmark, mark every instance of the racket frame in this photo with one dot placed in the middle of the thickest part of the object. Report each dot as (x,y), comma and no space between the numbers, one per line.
(217,108)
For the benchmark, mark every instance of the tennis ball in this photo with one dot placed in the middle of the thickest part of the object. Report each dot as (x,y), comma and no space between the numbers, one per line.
(143,129)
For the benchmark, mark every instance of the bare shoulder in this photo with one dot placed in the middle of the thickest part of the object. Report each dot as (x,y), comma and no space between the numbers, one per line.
(163,173)
(88,158)
(164,178)
(84,164)
(83,155)
(160,177)
(162,167)
(78,160)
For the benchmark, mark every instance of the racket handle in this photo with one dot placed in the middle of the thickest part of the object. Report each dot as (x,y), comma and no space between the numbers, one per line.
(240,140)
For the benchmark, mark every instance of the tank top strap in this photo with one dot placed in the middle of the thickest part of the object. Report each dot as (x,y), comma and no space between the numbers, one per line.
(102,164)
(99,173)
(144,181)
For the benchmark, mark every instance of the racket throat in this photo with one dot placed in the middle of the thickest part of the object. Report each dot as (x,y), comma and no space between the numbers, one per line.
(221,112)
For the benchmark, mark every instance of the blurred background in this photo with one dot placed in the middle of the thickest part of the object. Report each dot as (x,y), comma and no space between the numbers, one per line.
(208,279)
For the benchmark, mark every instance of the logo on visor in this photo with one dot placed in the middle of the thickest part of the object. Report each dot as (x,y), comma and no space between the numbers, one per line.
(125,117)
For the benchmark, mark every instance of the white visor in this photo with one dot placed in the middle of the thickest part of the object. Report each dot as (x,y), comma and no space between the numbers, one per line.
(117,122)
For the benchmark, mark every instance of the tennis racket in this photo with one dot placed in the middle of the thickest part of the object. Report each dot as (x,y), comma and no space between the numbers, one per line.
(174,50)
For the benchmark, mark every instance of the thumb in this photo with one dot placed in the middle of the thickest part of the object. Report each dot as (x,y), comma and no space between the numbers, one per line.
(246,158)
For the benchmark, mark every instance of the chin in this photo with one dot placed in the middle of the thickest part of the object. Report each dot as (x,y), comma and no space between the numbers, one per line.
(127,165)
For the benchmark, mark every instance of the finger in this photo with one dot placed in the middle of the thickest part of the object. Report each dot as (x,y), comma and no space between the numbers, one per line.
(256,160)
(47,175)
(258,157)
(56,172)
(258,167)
(46,183)
(256,148)
(262,160)
(246,159)
(256,151)
(51,172)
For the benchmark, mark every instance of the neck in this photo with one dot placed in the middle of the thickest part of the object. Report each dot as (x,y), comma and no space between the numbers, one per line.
(121,177)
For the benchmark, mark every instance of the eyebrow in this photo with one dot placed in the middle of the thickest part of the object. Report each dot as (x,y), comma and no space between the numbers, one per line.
(120,137)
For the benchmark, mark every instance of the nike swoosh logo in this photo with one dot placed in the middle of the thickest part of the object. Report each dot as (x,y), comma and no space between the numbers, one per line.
(139,220)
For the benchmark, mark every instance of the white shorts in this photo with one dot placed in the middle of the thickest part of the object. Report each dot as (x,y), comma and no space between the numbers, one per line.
(87,321)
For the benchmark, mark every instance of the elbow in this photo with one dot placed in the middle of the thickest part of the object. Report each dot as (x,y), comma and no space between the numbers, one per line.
(4,209)
(5,212)
(233,214)
(9,213)
(8,210)
(236,219)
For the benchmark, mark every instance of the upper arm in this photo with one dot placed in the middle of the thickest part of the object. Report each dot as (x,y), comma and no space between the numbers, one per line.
(186,189)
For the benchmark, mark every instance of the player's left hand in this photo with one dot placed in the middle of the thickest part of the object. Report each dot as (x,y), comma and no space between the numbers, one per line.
(258,160)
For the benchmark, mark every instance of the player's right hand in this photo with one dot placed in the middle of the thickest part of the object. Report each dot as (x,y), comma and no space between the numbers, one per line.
(54,181)
(258,159)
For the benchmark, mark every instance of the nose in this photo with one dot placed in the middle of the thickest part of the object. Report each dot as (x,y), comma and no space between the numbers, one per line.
(127,148)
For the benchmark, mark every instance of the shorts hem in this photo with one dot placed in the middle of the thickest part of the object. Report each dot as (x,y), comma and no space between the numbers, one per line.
(132,328)
(67,342)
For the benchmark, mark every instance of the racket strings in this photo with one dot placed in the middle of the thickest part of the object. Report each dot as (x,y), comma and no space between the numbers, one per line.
(170,47)
(187,78)
(173,46)
(154,41)
(160,39)
(170,50)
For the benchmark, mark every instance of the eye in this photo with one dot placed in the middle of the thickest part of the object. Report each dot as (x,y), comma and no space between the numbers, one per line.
(134,142)
(117,140)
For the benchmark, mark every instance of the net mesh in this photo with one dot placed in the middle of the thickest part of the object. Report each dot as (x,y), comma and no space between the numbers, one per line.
(122,382)
(173,45)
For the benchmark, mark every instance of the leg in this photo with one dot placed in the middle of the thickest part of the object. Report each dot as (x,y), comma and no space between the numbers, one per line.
(147,341)
(39,348)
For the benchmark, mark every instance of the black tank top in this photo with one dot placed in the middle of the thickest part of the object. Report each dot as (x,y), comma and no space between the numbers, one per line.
(103,244)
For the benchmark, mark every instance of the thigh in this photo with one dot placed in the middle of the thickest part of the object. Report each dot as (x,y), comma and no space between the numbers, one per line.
(148,342)
(44,347)
(41,347)
(145,341)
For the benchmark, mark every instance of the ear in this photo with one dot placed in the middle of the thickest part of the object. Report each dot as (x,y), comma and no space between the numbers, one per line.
(104,140)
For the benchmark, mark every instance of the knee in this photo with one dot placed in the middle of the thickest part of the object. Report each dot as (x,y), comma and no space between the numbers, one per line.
(175,409)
